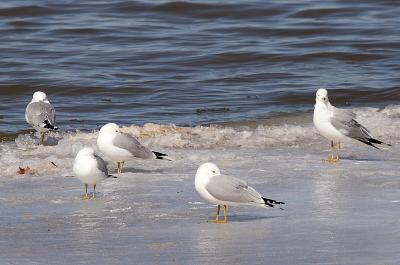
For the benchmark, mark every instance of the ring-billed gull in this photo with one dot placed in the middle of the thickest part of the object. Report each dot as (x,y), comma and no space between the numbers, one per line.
(225,190)
(119,146)
(90,169)
(40,114)
(336,124)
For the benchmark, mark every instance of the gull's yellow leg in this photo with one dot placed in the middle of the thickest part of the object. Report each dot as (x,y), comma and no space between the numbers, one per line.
(86,196)
(217,221)
(118,167)
(122,165)
(94,191)
(332,158)
(216,216)
(41,138)
(225,214)
(338,152)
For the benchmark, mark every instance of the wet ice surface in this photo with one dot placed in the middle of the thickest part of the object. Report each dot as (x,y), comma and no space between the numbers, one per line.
(335,214)
(347,213)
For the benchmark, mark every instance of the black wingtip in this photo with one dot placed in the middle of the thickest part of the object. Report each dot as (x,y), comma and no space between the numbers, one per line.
(160,155)
(372,141)
(48,125)
(272,203)
(368,143)
(375,141)
(112,176)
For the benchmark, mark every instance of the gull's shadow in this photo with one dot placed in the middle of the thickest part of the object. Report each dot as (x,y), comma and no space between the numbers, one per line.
(141,170)
(248,218)
(363,159)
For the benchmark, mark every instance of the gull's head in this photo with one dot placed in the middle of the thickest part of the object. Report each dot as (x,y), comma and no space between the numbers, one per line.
(39,96)
(109,128)
(208,170)
(322,95)
(86,151)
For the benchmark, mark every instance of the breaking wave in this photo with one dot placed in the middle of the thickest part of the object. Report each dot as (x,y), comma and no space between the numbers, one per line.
(56,156)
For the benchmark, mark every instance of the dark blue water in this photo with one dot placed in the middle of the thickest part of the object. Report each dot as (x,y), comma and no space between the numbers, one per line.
(193,62)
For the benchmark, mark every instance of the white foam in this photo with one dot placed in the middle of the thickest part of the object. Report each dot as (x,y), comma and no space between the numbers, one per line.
(57,159)
(383,123)
(217,136)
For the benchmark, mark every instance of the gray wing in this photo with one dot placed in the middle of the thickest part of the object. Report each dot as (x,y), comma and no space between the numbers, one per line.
(38,112)
(129,143)
(101,164)
(226,188)
(344,113)
(344,121)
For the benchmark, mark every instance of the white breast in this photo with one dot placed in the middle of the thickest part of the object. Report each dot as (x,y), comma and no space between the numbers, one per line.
(322,117)
(85,169)
(115,153)
(200,184)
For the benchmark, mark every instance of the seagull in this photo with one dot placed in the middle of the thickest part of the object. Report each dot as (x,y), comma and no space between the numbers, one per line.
(225,190)
(120,146)
(40,114)
(337,124)
(90,169)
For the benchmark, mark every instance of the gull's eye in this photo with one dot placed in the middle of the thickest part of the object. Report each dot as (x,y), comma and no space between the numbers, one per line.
(213,171)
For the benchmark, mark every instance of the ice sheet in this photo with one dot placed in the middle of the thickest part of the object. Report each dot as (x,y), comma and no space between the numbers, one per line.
(347,213)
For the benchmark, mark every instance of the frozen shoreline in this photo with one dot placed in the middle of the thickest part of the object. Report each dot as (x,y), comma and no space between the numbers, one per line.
(335,214)
(346,213)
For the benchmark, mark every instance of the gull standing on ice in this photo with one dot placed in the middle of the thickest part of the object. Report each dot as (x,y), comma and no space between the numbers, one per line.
(336,124)
(119,146)
(90,169)
(41,114)
(225,190)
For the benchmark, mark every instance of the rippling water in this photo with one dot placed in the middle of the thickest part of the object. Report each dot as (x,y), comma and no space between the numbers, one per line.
(193,62)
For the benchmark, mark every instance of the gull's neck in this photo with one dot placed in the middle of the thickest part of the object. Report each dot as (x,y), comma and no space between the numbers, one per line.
(201,180)
(321,104)
(45,101)
(329,106)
